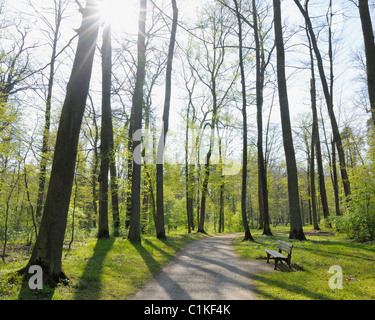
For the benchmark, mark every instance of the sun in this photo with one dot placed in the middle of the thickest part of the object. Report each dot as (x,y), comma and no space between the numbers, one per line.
(121,14)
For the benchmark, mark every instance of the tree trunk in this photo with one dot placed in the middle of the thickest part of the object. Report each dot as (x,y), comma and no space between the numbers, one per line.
(296,230)
(368,36)
(135,214)
(335,180)
(47,251)
(245,222)
(94,171)
(327,95)
(263,189)
(114,194)
(316,136)
(106,127)
(159,223)
(222,187)
(189,169)
(205,186)
(312,183)
(47,120)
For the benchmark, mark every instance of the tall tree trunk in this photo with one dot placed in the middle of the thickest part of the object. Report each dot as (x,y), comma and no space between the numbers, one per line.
(327,95)
(296,230)
(106,127)
(94,171)
(245,222)
(189,169)
(312,183)
(206,177)
(47,117)
(263,190)
(222,187)
(114,193)
(315,134)
(47,251)
(368,36)
(135,214)
(159,223)
(335,180)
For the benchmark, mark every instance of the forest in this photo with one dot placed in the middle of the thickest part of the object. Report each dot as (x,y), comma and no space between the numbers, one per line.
(159,117)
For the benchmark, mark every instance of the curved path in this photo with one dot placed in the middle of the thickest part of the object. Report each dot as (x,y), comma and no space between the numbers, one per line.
(206,269)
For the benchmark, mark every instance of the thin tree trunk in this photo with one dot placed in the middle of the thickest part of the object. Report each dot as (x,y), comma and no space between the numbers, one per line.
(47,251)
(159,223)
(47,119)
(335,180)
(205,184)
(263,190)
(135,214)
(188,174)
(74,205)
(222,187)
(114,195)
(312,183)
(296,230)
(105,152)
(327,95)
(368,36)
(245,222)
(94,171)
(12,187)
(107,60)
(333,168)
(316,136)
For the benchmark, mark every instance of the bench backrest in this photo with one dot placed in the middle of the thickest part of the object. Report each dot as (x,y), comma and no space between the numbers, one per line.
(284,246)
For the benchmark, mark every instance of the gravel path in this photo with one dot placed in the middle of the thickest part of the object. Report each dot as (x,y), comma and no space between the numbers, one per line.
(206,269)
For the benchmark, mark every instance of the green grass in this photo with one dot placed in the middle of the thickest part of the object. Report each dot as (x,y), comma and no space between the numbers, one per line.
(108,269)
(311,261)
(114,269)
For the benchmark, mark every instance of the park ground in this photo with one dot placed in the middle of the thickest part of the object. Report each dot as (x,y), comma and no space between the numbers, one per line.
(115,268)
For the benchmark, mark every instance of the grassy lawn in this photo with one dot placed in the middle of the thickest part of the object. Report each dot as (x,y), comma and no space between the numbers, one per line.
(311,261)
(110,269)
(113,269)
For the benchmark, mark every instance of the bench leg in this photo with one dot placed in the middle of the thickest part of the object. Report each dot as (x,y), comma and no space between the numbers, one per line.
(276,260)
(268,257)
(289,264)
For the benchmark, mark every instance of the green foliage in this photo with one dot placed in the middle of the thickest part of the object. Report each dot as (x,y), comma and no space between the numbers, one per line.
(359,221)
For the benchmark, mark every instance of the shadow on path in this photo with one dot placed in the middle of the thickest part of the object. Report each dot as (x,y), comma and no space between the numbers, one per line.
(154,267)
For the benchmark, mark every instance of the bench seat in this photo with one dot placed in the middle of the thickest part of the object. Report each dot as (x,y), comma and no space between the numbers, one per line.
(278,256)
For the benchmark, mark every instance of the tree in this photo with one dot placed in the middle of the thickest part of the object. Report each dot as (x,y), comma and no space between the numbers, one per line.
(368,37)
(328,98)
(261,65)
(47,251)
(316,141)
(59,9)
(296,230)
(215,33)
(245,223)
(189,166)
(159,223)
(136,128)
(106,132)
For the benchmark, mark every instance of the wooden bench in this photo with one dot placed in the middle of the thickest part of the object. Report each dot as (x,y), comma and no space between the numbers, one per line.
(278,256)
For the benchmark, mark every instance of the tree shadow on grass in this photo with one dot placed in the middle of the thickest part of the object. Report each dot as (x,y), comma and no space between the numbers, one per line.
(26,293)
(293,288)
(89,285)
(152,264)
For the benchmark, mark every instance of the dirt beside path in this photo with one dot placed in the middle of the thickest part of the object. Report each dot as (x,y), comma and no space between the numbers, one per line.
(206,269)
